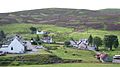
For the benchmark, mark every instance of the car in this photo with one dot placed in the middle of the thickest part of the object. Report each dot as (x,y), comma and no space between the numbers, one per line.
(116,59)
(2,53)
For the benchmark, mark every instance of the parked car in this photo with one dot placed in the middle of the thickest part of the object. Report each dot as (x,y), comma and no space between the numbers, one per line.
(2,53)
(116,59)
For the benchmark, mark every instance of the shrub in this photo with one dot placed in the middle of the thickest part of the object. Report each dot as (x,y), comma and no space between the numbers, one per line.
(65,51)
(15,63)
(67,43)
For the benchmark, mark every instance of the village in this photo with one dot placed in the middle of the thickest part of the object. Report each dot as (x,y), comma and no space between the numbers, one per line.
(15,44)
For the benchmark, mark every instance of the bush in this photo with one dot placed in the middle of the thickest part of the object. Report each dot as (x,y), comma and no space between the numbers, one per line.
(67,43)
(65,51)
(15,63)
(71,61)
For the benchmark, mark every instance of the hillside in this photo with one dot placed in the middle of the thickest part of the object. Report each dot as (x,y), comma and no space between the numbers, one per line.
(77,18)
(61,34)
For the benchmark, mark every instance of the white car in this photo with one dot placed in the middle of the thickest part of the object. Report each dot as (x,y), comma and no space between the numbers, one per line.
(116,59)
(2,53)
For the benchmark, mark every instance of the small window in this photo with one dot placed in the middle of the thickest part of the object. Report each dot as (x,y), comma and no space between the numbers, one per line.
(11,48)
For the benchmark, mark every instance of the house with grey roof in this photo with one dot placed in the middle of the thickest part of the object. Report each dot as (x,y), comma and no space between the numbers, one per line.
(16,45)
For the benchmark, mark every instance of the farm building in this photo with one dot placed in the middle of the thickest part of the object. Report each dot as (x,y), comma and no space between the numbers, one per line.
(16,45)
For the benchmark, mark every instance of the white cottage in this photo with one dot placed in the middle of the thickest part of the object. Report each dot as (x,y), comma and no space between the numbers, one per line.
(17,45)
(81,44)
(73,43)
(47,39)
(40,32)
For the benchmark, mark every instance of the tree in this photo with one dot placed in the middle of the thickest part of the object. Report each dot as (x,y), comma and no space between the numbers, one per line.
(67,43)
(90,40)
(33,30)
(97,41)
(111,40)
(2,37)
(116,43)
(38,41)
(37,38)
(45,35)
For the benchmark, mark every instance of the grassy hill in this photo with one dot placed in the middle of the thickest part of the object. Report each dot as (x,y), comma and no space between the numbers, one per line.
(58,33)
(77,18)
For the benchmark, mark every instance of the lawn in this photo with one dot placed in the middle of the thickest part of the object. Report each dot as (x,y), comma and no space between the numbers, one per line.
(73,65)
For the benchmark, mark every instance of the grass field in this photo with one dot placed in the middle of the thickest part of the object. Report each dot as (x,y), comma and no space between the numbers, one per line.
(64,33)
(85,56)
(24,28)
(73,65)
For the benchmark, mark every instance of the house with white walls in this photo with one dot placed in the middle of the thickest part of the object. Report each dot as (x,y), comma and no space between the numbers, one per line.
(81,44)
(16,45)
(47,39)
(40,32)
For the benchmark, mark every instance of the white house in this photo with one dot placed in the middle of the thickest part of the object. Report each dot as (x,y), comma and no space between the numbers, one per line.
(47,39)
(16,45)
(74,43)
(40,32)
(81,44)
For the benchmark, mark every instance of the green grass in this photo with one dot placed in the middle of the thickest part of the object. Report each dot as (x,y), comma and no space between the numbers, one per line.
(64,33)
(73,65)
(72,53)
(40,51)
(112,52)
(93,32)
(117,23)
(84,55)
(24,28)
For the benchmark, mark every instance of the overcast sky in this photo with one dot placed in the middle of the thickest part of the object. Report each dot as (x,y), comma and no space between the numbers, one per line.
(19,5)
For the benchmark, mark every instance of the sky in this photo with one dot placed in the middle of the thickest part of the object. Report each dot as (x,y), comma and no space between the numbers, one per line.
(19,5)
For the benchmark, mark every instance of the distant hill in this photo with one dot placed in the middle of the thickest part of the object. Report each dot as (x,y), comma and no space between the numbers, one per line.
(78,18)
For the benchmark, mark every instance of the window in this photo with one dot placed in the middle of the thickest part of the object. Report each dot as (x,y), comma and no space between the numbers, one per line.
(11,48)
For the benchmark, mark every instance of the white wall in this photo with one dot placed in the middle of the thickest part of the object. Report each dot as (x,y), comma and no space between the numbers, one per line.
(17,47)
